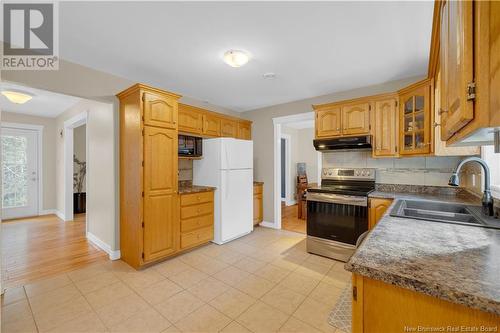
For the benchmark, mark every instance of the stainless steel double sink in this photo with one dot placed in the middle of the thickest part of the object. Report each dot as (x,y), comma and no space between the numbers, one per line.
(443,212)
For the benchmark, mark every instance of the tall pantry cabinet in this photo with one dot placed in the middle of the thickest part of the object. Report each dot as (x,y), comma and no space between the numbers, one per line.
(148,174)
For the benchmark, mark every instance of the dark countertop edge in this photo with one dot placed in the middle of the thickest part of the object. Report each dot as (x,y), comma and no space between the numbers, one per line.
(467,300)
(195,189)
(257,183)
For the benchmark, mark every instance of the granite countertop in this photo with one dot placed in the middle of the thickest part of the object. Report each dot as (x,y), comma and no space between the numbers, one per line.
(257,183)
(184,189)
(457,263)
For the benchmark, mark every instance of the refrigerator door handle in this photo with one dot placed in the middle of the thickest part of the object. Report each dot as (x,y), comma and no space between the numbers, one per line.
(227,158)
(227,184)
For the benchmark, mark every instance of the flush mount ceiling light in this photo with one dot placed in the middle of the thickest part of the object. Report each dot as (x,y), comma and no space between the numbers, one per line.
(236,58)
(17,97)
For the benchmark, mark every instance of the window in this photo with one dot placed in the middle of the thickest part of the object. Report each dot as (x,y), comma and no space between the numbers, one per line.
(493,161)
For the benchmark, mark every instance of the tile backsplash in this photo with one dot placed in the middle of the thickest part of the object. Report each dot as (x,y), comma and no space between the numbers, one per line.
(185,170)
(431,171)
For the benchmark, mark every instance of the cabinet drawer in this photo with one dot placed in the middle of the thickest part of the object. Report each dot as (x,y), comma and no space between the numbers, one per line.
(196,237)
(197,222)
(197,210)
(196,198)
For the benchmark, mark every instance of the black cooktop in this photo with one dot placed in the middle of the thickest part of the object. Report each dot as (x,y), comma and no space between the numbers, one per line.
(360,188)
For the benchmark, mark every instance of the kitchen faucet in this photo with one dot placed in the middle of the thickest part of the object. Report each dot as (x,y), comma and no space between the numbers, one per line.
(487,198)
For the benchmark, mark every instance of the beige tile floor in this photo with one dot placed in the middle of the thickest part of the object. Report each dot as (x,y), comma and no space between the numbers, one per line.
(264,282)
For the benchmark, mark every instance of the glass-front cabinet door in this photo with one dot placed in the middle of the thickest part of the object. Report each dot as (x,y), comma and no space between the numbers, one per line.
(415,132)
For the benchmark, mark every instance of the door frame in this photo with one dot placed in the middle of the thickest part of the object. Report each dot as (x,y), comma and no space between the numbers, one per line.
(288,164)
(69,125)
(277,123)
(38,129)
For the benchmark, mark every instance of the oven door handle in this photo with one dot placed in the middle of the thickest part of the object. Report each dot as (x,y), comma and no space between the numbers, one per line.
(338,198)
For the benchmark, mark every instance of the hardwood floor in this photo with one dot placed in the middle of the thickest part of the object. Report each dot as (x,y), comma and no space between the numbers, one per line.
(39,247)
(290,221)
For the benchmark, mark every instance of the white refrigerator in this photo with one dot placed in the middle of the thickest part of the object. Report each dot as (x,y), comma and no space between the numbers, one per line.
(227,164)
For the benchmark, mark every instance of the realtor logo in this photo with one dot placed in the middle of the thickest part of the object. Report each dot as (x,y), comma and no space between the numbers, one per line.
(30,36)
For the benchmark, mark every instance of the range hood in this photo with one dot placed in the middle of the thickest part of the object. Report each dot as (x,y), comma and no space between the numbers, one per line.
(348,143)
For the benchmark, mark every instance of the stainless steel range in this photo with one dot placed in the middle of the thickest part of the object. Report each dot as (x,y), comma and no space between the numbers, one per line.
(337,211)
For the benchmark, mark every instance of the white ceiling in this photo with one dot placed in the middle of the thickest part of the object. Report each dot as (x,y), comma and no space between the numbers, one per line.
(43,104)
(314,48)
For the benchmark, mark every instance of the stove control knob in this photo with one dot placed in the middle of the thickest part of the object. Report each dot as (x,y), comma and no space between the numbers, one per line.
(324,172)
(329,172)
(357,173)
(363,173)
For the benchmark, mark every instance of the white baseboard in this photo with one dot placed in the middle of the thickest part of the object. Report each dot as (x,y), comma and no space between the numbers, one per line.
(290,202)
(267,224)
(113,255)
(47,212)
(60,215)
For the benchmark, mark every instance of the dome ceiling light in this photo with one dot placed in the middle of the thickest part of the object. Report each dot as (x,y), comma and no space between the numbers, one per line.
(17,97)
(236,58)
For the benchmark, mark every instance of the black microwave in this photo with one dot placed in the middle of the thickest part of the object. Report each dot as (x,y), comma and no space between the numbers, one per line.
(190,146)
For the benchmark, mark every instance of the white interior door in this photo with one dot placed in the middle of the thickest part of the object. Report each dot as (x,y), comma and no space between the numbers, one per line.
(19,173)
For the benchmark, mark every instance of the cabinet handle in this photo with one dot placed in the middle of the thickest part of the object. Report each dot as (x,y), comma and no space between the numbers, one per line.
(441,111)
(436,125)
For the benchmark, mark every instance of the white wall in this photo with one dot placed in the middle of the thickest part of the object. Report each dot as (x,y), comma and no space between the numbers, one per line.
(101,169)
(80,149)
(48,154)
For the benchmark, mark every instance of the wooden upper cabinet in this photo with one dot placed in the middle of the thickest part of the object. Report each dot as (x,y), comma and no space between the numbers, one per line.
(160,192)
(228,128)
(159,110)
(356,119)
(328,122)
(385,127)
(190,119)
(415,119)
(244,130)
(211,125)
(456,62)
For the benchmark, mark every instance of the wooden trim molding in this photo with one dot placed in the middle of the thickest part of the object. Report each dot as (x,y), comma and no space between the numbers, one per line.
(141,86)
(356,100)
(435,37)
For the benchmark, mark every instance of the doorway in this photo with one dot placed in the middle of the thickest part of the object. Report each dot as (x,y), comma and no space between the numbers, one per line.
(21,183)
(75,169)
(294,156)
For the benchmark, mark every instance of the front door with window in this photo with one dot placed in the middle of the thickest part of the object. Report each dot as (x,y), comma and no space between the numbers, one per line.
(19,173)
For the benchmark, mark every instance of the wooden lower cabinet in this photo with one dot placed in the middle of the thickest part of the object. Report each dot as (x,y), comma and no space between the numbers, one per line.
(376,209)
(381,307)
(258,210)
(196,219)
